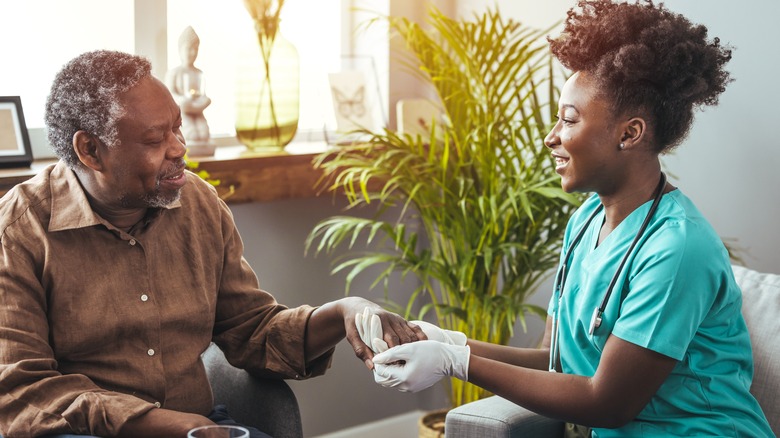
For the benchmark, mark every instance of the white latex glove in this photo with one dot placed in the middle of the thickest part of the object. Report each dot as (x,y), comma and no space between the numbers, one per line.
(424,363)
(435,333)
(369,328)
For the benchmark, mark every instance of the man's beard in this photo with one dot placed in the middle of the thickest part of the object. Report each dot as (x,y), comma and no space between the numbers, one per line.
(160,200)
(156,199)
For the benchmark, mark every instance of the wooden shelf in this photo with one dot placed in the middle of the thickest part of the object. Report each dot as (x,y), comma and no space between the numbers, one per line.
(254,177)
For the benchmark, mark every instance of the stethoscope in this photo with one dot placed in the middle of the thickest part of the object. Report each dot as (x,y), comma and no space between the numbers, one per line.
(563,271)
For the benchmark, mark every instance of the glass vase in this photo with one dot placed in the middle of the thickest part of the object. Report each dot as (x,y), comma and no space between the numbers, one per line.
(267,99)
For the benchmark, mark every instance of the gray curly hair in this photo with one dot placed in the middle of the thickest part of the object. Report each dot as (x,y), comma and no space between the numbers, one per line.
(85,97)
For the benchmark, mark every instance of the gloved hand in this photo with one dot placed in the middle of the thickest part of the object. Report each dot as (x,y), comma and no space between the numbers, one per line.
(369,328)
(424,363)
(436,333)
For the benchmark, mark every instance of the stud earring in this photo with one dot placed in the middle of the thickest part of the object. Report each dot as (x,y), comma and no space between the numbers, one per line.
(622,146)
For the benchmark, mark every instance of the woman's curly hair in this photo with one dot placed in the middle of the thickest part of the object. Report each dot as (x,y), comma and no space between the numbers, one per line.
(85,96)
(647,59)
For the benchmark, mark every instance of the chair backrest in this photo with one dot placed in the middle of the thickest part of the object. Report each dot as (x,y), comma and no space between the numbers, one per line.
(267,404)
(761,309)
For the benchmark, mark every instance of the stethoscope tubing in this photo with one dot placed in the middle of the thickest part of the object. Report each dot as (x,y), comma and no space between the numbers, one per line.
(560,278)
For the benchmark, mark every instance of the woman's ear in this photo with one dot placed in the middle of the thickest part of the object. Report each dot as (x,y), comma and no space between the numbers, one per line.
(86,147)
(634,131)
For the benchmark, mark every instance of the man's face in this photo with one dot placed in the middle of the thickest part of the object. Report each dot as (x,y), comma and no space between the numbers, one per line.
(146,168)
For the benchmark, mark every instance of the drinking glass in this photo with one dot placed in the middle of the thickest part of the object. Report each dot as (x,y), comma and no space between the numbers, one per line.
(218,432)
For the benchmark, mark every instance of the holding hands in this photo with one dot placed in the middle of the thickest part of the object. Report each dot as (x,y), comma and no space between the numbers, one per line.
(414,366)
(374,329)
(434,333)
(370,330)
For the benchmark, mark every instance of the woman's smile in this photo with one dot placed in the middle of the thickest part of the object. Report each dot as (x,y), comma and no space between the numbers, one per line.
(560,162)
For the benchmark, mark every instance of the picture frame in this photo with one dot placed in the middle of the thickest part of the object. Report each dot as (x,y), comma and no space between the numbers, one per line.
(15,148)
(356,98)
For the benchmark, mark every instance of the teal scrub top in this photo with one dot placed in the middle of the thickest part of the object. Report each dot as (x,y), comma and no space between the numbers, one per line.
(677,296)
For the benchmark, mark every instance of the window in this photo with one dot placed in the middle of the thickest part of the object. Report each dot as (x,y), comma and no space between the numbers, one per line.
(314,27)
(39,36)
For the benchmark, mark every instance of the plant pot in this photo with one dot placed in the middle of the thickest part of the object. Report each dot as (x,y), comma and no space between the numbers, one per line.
(431,425)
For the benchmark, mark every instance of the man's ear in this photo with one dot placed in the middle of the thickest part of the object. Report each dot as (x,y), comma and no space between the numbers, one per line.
(87,147)
(634,131)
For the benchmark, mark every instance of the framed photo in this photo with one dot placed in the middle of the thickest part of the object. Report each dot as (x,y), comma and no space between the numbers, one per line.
(357,100)
(15,150)
(351,103)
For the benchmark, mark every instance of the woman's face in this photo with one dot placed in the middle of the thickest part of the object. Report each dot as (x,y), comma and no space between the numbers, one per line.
(585,140)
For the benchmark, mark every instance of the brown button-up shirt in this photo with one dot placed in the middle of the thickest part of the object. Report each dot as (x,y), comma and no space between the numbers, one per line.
(98,326)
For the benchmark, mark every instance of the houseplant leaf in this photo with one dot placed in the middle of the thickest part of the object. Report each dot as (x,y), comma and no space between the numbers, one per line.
(480,189)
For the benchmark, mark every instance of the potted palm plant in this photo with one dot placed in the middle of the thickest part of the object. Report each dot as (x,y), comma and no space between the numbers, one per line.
(478,209)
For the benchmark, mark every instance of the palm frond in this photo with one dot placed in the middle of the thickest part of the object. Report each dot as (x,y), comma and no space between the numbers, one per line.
(480,189)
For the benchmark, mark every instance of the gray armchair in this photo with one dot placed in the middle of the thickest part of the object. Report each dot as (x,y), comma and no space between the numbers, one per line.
(267,404)
(496,417)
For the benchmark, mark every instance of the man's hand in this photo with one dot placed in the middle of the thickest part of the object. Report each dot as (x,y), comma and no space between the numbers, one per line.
(414,367)
(163,423)
(334,320)
(369,327)
(389,328)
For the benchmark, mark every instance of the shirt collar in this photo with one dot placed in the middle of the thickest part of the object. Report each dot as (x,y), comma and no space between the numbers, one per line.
(70,207)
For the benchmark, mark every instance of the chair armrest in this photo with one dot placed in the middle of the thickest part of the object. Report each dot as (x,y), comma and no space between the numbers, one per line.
(267,404)
(498,417)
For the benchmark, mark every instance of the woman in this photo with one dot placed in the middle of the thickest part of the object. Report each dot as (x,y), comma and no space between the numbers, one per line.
(668,352)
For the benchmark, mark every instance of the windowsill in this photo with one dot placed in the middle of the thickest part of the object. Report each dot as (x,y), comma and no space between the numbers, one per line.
(252,177)
(263,177)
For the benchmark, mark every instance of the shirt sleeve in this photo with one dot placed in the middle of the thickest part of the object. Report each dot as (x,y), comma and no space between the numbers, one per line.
(36,399)
(676,280)
(254,331)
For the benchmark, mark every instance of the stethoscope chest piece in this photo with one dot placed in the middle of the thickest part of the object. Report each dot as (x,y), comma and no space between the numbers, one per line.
(595,321)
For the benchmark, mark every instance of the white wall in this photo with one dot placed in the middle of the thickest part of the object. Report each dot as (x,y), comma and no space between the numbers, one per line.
(729,165)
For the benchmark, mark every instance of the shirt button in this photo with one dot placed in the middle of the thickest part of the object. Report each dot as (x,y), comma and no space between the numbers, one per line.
(158,404)
(132,242)
(150,352)
(144,298)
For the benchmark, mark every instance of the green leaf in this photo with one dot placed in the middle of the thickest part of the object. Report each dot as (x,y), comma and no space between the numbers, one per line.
(473,212)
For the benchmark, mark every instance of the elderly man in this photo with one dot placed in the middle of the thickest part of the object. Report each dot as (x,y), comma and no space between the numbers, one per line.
(119,268)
